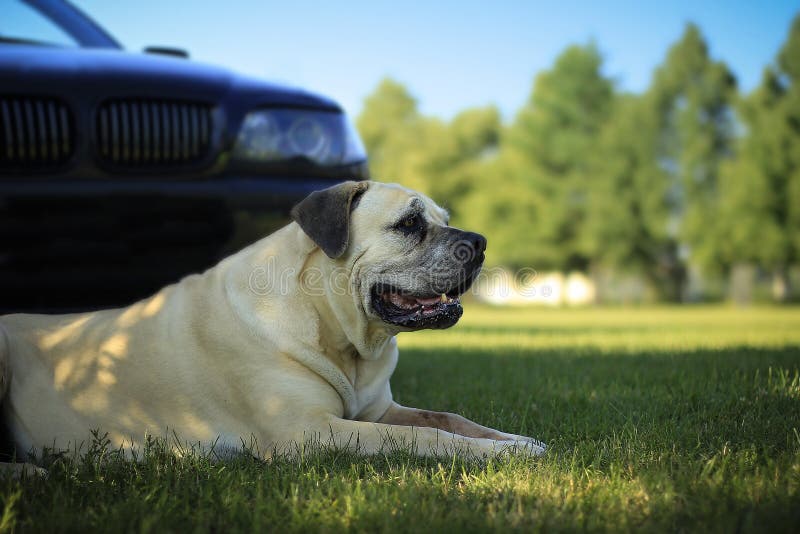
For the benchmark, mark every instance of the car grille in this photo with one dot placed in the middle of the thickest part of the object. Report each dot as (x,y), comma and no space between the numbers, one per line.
(141,134)
(35,133)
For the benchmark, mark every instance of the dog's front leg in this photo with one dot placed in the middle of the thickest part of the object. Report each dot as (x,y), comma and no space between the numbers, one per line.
(373,438)
(453,423)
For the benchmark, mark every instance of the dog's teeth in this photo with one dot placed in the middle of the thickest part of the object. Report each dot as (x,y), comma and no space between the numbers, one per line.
(444,297)
(401,301)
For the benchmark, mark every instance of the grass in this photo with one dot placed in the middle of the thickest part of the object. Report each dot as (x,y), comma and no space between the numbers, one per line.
(665,419)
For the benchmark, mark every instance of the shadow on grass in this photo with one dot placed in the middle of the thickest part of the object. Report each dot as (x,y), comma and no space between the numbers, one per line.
(693,401)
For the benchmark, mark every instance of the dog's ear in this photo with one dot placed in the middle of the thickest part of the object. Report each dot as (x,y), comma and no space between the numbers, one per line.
(325,215)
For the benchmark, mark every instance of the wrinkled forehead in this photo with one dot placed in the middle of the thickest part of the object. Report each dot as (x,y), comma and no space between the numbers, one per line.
(392,201)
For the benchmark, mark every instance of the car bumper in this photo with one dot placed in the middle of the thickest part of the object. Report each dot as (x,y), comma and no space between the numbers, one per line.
(76,245)
(256,193)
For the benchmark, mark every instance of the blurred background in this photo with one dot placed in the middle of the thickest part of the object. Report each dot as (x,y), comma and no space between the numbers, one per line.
(611,152)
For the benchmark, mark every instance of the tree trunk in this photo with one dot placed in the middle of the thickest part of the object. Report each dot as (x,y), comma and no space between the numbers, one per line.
(669,282)
(668,274)
(781,290)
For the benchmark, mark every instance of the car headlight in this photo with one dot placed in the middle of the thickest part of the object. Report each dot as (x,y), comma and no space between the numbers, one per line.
(324,138)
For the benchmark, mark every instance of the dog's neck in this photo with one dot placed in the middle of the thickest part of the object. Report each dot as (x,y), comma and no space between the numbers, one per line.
(343,323)
(263,277)
(277,290)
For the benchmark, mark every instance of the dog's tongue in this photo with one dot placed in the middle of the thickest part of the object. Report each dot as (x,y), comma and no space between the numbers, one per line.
(402,301)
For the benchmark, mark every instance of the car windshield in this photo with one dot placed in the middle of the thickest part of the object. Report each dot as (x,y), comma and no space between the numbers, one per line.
(50,23)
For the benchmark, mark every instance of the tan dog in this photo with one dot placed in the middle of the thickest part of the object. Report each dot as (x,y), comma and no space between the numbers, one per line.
(289,339)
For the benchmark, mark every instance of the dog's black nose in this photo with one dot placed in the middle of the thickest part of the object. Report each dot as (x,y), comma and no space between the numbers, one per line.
(477,241)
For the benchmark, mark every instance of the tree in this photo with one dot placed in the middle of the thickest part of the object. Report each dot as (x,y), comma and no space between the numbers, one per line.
(444,160)
(397,137)
(458,165)
(628,220)
(692,96)
(388,107)
(760,190)
(549,148)
(501,205)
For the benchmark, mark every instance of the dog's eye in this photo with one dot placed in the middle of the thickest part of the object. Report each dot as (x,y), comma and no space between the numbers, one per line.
(412,224)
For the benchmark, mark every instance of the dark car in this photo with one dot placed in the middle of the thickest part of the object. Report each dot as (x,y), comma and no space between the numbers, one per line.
(122,172)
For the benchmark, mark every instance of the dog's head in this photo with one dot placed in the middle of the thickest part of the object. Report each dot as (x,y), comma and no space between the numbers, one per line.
(407,266)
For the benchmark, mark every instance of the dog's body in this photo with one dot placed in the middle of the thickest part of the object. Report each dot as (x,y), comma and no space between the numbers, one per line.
(290,339)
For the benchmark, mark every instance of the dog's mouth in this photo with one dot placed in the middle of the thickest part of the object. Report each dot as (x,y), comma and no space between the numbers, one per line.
(413,311)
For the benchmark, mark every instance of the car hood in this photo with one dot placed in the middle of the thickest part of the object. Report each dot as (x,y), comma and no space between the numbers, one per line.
(106,73)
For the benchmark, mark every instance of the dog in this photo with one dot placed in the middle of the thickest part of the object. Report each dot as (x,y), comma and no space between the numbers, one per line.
(290,339)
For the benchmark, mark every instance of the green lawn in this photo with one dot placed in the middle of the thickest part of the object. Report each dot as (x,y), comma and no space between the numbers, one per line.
(663,419)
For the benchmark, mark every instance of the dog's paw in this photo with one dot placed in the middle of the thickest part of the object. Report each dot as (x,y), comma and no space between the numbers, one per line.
(527,443)
(541,446)
(524,447)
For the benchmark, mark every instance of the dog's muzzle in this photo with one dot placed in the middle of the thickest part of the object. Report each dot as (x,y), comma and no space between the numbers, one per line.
(439,305)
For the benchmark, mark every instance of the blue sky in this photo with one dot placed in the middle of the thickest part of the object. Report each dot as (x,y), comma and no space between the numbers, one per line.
(450,54)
